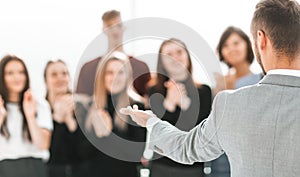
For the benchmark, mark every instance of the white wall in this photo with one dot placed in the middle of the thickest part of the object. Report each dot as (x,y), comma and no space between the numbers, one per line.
(38,31)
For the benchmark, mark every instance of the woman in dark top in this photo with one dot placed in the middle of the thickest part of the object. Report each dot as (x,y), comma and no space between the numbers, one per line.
(65,157)
(118,138)
(177,99)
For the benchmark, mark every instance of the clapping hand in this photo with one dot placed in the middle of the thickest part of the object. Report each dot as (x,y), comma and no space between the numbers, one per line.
(102,123)
(63,108)
(3,112)
(176,96)
(29,105)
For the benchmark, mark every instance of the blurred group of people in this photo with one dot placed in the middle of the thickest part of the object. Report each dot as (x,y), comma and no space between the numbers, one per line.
(81,129)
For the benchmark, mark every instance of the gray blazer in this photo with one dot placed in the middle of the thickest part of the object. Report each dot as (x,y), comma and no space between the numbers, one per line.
(258,127)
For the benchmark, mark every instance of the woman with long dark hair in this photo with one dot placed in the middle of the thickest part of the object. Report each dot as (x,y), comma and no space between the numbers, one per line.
(178,99)
(25,124)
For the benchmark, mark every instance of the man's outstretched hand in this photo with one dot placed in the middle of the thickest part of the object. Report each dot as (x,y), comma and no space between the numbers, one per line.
(138,116)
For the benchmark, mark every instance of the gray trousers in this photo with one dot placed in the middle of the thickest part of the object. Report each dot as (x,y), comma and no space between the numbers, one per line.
(25,167)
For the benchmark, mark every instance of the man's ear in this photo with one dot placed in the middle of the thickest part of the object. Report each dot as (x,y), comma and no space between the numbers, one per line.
(104,30)
(104,26)
(261,40)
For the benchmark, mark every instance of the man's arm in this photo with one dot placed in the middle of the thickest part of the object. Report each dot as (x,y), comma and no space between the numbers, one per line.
(198,145)
(184,147)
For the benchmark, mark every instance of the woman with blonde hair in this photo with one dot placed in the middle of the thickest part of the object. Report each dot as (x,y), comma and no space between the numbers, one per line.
(113,90)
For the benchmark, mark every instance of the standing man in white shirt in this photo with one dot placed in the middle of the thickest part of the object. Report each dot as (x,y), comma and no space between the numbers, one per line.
(258,126)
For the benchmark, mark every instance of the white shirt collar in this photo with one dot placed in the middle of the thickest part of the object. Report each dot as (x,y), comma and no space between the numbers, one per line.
(288,72)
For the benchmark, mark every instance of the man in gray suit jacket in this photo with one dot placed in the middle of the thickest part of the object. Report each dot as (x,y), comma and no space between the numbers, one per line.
(257,126)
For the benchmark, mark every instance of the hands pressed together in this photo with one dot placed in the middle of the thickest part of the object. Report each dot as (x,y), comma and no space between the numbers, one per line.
(63,111)
(40,137)
(29,106)
(176,96)
(102,122)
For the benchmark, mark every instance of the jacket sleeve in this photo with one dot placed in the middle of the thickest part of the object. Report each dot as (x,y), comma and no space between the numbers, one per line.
(198,145)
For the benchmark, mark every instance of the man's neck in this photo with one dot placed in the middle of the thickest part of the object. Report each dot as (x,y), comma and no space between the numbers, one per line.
(281,62)
(114,47)
(286,63)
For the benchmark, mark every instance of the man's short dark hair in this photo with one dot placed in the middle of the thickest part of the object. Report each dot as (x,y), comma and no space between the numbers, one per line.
(280,21)
(108,15)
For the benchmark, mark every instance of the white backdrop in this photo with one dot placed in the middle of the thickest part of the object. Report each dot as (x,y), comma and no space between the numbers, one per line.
(38,31)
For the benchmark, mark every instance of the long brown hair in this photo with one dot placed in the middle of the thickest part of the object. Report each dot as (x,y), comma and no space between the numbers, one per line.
(100,92)
(5,95)
(162,74)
